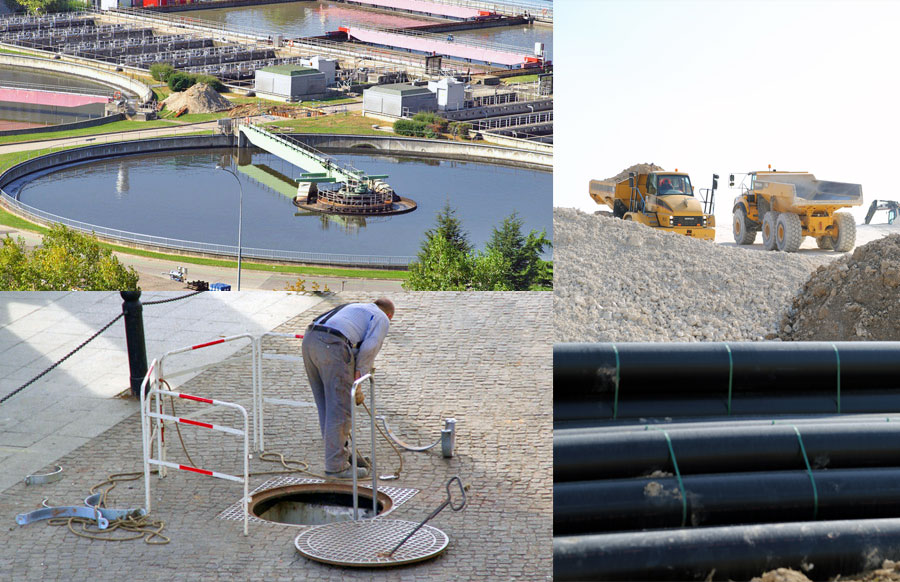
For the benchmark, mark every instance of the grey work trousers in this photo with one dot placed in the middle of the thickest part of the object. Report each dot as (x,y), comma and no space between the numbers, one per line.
(330,368)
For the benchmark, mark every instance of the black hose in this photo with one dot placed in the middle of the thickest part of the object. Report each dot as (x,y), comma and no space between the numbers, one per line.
(724,499)
(584,454)
(821,549)
(588,371)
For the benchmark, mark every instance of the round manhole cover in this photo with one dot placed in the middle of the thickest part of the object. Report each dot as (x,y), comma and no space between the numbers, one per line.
(365,544)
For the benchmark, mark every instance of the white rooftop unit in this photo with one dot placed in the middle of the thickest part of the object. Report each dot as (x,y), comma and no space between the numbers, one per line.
(451,94)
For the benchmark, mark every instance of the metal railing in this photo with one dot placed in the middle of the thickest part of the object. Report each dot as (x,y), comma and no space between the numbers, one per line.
(513,120)
(6,84)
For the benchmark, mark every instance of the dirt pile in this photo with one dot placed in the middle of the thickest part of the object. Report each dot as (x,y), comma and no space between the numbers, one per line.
(856,297)
(199,98)
(637,169)
(621,281)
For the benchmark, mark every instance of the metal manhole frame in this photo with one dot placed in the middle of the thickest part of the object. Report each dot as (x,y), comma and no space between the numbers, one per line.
(348,532)
(235,511)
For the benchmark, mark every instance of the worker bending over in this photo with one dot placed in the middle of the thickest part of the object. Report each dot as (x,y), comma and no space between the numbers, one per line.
(339,347)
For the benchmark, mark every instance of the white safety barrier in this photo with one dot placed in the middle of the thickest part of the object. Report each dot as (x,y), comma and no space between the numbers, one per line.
(259,400)
(150,395)
(152,391)
(353,465)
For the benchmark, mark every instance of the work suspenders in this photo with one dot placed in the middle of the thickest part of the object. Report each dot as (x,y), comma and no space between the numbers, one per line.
(328,314)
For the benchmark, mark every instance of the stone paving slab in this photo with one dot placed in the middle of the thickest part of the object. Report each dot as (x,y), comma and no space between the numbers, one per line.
(482,358)
(77,400)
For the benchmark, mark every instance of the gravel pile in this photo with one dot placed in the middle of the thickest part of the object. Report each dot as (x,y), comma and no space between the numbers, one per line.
(199,98)
(621,281)
(857,297)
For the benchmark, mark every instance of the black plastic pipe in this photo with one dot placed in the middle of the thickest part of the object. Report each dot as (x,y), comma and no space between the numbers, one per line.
(724,499)
(682,406)
(691,423)
(583,454)
(134,339)
(587,372)
(735,553)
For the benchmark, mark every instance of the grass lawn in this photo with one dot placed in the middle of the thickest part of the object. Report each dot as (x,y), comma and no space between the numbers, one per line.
(192,117)
(99,130)
(348,123)
(332,101)
(14,221)
(519,79)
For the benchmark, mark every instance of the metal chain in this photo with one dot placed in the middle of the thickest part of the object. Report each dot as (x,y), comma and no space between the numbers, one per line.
(86,342)
(171,299)
(58,362)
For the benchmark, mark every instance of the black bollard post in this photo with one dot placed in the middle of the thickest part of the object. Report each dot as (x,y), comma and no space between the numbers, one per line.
(134,339)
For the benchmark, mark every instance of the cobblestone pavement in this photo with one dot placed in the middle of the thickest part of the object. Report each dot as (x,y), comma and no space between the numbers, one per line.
(482,358)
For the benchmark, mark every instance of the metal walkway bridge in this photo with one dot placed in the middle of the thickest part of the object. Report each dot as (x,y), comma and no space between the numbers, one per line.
(320,167)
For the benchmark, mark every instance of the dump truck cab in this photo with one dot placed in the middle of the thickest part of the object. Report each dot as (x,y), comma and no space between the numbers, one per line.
(663,200)
(788,206)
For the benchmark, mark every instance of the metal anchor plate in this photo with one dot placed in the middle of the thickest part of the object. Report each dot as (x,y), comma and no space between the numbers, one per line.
(366,543)
(113,514)
(44,478)
(65,511)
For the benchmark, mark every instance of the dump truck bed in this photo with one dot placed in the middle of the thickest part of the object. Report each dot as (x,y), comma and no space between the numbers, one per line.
(803,190)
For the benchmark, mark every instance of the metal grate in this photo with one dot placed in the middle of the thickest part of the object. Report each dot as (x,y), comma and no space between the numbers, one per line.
(235,512)
(365,544)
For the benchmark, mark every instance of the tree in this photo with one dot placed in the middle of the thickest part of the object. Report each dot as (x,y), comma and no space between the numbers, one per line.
(489,272)
(527,270)
(36,6)
(441,266)
(66,260)
(449,227)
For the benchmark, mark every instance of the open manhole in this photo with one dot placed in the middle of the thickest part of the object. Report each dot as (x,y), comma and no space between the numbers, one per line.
(315,503)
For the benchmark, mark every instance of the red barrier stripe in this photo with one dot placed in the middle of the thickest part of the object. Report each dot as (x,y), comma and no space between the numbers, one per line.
(299,335)
(195,470)
(195,423)
(197,398)
(197,347)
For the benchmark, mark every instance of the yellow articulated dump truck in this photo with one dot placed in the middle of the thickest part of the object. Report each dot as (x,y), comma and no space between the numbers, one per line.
(787,206)
(661,200)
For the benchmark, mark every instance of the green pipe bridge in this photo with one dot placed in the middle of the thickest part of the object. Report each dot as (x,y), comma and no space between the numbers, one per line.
(319,167)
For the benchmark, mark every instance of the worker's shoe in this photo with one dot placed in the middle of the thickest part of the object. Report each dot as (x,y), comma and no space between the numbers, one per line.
(361,473)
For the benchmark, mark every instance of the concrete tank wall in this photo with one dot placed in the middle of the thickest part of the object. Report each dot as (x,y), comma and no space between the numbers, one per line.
(143,92)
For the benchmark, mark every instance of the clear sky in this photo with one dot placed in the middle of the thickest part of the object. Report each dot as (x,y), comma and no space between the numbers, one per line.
(727,86)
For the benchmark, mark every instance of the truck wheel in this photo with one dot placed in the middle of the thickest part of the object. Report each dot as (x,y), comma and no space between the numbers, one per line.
(619,209)
(826,243)
(846,232)
(788,232)
(768,230)
(744,230)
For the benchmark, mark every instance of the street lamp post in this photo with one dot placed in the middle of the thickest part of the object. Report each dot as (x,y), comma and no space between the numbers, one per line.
(240,217)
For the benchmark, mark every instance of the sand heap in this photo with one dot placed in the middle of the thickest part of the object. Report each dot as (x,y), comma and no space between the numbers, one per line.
(616,280)
(857,297)
(199,98)
(637,169)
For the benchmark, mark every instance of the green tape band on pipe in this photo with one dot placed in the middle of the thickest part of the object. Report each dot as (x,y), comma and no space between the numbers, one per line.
(616,395)
(730,376)
(810,473)
(678,476)
(838,357)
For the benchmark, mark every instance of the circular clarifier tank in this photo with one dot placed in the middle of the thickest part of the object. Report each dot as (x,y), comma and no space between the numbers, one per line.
(315,503)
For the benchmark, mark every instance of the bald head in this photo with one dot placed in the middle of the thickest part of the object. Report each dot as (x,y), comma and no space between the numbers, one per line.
(386,305)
